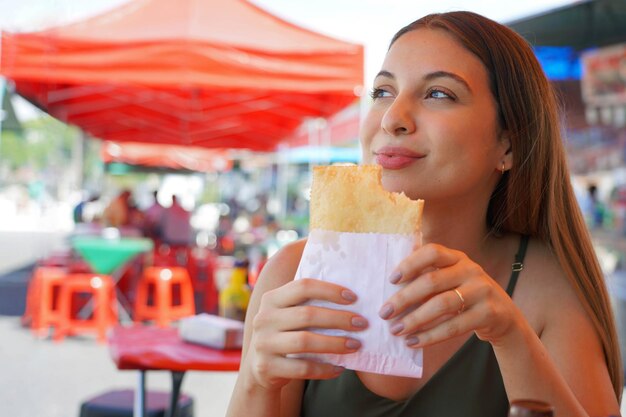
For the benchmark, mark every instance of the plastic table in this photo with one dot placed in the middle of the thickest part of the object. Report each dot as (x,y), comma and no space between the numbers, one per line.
(105,255)
(144,348)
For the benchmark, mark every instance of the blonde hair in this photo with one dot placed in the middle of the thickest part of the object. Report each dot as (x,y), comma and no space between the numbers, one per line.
(535,197)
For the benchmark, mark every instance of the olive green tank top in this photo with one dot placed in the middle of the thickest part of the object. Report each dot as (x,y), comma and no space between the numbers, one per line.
(469,384)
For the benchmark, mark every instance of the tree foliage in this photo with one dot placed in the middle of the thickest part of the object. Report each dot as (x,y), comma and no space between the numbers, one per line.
(47,150)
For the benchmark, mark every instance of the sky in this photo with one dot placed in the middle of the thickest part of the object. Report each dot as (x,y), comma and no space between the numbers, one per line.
(368,22)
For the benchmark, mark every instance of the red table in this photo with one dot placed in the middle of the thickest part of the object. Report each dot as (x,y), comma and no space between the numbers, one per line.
(145,348)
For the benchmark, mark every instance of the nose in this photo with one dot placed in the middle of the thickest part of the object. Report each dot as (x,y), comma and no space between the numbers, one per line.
(399,119)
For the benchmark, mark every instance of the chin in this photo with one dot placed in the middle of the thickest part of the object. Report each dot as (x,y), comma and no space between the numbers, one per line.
(398,184)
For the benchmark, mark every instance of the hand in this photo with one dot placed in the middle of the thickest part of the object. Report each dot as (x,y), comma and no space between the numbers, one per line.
(279,329)
(453,295)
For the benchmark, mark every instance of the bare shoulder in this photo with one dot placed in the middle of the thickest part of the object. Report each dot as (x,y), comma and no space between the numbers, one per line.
(543,290)
(553,308)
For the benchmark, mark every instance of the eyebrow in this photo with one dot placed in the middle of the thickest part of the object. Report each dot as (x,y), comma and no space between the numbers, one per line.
(431,76)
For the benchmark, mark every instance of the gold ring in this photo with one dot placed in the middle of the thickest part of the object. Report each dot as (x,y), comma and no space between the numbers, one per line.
(462,308)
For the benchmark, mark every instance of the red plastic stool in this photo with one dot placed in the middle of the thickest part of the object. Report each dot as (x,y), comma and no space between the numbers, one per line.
(158,285)
(101,288)
(41,299)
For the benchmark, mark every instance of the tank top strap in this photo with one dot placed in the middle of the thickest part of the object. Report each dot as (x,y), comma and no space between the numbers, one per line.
(518,265)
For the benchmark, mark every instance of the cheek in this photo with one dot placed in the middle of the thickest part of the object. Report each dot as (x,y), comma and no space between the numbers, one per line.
(468,137)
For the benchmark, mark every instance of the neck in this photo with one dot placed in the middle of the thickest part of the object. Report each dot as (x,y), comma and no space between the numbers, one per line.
(462,227)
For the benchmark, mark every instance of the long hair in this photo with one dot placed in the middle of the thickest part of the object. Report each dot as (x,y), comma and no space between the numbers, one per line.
(535,197)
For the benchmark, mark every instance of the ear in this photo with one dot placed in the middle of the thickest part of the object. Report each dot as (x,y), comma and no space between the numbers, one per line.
(506,153)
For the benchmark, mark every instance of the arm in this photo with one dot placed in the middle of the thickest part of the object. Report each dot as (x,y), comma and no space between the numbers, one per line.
(544,343)
(564,367)
(270,384)
(568,366)
(278,271)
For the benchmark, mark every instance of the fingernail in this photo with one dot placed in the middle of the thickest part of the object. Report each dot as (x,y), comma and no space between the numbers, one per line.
(412,340)
(353,344)
(397,327)
(359,322)
(386,311)
(395,277)
(348,295)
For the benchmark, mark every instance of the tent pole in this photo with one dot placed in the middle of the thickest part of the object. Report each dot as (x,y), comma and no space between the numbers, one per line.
(282,180)
(79,159)
(3,86)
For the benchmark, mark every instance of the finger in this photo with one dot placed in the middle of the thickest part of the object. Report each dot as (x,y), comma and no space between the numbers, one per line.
(301,290)
(293,368)
(420,291)
(308,342)
(444,305)
(307,316)
(458,325)
(428,257)
(433,323)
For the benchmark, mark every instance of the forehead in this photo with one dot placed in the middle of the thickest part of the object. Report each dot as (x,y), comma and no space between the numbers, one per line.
(422,51)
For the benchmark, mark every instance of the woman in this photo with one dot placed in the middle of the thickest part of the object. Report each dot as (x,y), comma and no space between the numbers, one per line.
(510,299)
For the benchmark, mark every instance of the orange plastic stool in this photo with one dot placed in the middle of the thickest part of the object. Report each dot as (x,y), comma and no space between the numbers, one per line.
(104,314)
(41,299)
(162,281)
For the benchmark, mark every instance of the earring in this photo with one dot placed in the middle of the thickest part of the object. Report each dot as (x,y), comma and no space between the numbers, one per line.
(502,169)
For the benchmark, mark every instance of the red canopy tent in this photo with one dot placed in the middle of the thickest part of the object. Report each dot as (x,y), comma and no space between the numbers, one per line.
(209,73)
(173,157)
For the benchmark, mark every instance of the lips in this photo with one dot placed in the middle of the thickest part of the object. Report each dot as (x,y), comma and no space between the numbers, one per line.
(392,157)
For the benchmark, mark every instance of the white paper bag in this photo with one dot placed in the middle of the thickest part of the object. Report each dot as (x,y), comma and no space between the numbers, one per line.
(363,263)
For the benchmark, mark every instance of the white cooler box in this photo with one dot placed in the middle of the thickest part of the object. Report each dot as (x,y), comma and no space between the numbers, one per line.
(213,331)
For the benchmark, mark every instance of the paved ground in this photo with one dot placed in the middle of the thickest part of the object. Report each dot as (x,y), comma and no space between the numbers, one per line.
(47,379)
(21,248)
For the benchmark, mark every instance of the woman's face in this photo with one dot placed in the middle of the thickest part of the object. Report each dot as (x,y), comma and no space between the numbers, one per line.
(433,123)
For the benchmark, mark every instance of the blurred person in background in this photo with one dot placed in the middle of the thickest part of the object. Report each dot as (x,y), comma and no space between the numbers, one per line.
(79,210)
(153,218)
(596,208)
(225,235)
(116,214)
(136,217)
(176,225)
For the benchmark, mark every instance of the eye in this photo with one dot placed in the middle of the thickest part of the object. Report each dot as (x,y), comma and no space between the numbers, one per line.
(439,94)
(379,93)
